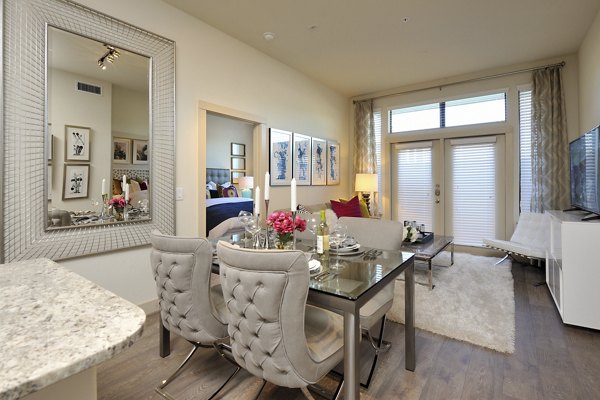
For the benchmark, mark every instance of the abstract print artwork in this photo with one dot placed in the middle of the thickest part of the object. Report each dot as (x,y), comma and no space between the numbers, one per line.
(121,151)
(318,168)
(280,161)
(333,163)
(302,154)
(77,143)
(76,181)
(140,152)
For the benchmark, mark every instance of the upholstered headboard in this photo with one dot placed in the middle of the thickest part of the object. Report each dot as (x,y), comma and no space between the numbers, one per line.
(131,173)
(217,175)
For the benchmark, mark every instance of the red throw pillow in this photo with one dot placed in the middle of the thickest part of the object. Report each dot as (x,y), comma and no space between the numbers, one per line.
(349,209)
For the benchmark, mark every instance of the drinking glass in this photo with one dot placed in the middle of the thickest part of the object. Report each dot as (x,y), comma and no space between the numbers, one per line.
(337,237)
(312,224)
(253,227)
(244,217)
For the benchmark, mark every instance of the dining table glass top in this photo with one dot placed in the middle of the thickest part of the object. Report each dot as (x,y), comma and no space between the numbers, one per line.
(360,272)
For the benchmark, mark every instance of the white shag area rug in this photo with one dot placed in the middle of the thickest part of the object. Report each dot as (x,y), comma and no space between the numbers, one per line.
(472,301)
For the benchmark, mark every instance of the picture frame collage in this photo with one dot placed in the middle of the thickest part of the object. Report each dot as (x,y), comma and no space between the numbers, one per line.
(310,160)
(130,151)
(76,174)
(238,162)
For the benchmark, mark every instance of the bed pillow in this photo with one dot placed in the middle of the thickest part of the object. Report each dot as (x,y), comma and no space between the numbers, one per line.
(348,209)
(364,210)
(230,191)
(134,186)
(208,194)
(116,187)
(214,194)
(211,185)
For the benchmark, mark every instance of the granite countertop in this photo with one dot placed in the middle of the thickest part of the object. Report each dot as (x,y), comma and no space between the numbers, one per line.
(55,323)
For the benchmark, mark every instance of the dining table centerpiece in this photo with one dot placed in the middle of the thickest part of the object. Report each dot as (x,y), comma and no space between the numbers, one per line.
(118,203)
(283,223)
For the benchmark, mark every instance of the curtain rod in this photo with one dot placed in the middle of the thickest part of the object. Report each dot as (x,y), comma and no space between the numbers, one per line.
(560,65)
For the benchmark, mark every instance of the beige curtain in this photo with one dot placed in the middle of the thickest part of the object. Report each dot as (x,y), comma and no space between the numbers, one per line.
(364,138)
(549,142)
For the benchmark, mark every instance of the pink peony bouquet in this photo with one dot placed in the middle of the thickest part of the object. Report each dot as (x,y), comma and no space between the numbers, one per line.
(117,202)
(283,225)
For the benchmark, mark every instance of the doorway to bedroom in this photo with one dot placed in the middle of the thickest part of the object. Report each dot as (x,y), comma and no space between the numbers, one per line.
(231,147)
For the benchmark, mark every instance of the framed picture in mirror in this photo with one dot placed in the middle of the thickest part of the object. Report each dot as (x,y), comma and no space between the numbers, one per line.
(121,151)
(76,181)
(77,143)
(140,152)
(238,149)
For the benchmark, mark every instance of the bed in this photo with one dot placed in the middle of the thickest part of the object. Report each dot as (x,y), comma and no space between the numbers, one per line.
(221,209)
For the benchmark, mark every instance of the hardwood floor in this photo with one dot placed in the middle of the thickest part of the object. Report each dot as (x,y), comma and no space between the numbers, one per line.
(551,361)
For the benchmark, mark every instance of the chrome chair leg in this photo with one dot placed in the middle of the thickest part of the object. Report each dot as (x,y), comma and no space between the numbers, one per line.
(504,258)
(306,393)
(226,382)
(381,346)
(159,389)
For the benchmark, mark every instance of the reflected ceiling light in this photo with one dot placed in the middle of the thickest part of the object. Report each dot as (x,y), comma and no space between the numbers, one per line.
(269,36)
(111,55)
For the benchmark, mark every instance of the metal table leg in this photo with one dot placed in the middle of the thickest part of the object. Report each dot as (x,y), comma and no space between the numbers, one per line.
(351,343)
(430,274)
(409,317)
(452,254)
(164,340)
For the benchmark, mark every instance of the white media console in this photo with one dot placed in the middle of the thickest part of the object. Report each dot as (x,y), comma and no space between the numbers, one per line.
(573,268)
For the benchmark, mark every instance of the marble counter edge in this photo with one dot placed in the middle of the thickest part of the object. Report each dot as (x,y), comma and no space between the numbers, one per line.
(135,316)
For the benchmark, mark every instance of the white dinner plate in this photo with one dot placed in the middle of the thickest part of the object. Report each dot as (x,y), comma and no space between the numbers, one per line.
(347,249)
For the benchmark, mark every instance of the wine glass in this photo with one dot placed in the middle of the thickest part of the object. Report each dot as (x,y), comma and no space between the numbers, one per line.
(244,217)
(337,237)
(253,227)
(312,224)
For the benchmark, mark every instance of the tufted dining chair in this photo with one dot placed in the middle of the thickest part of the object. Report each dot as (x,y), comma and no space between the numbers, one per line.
(385,235)
(274,334)
(189,306)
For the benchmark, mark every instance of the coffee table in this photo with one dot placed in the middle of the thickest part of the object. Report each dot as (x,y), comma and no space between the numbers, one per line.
(428,250)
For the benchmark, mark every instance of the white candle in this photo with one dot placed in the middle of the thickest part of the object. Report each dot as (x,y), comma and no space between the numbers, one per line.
(294,204)
(104,187)
(257,200)
(126,193)
(124,181)
(267,185)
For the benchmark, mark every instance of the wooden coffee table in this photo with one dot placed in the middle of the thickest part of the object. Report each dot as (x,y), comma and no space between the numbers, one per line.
(428,250)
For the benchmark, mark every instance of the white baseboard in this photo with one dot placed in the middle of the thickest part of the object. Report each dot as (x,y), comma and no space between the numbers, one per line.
(149,307)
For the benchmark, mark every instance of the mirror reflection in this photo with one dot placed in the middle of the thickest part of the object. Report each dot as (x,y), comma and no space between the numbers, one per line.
(98,132)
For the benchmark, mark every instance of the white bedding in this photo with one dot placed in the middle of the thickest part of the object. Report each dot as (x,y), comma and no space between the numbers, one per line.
(222,200)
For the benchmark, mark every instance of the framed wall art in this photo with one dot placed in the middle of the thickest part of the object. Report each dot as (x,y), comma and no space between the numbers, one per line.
(238,163)
(236,175)
(77,143)
(121,151)
(280,160)
(333,163)
(140,152)
(301,159)
(238,149)
(318,163)
(76,181)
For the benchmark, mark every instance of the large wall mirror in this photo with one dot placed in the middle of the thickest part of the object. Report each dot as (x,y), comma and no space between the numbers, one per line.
(88,122)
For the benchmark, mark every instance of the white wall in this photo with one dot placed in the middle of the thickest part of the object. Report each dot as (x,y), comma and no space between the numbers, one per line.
(130,112)
(221,132)
(68,106)
(216,68)
(589,78)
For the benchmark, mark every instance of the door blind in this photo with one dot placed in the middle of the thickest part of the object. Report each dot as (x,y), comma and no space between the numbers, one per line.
(377,129)
(414,193)
(525,167)
(473,192)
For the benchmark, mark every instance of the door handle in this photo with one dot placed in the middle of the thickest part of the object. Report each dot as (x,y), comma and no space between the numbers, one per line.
(437,193)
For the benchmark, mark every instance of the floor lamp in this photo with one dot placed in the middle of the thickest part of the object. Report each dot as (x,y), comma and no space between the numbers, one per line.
(366,183)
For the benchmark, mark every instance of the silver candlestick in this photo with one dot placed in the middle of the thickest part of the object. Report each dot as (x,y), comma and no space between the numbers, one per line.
(267,236)
(294,230)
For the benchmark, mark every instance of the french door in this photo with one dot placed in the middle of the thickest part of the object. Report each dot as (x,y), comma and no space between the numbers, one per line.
(453,186)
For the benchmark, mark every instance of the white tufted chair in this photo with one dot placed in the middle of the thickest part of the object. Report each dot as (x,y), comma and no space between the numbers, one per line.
(274,334)
(530,239)
(189,306)
(379,234)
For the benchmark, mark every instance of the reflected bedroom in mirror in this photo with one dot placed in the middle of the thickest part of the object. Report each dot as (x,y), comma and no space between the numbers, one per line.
(98,133)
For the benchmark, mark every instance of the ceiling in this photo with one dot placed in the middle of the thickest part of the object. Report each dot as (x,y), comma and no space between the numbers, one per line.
(79,55)
(363,46)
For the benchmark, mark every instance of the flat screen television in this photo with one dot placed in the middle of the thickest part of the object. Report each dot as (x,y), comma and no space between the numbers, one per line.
(584,154)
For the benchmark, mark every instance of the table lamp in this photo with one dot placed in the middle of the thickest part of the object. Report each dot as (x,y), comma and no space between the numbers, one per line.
(366,183)
(246,183)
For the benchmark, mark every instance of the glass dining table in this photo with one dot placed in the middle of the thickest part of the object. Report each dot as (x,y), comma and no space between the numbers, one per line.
(348,289)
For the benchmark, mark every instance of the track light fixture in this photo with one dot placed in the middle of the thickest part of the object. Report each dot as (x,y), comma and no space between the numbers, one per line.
(110,56)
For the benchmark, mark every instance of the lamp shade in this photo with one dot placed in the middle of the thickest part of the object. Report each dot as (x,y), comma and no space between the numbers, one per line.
(246,182)
(365,183)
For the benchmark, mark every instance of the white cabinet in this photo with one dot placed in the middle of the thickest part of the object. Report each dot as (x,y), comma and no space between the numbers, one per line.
(573,268)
